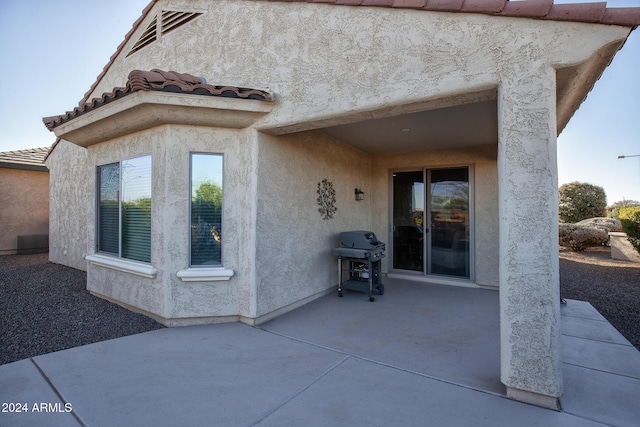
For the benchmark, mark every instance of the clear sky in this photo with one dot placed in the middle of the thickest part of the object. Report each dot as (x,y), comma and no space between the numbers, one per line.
(52,51)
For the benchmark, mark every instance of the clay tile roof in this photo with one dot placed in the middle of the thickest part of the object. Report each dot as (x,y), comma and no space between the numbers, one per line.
(530,8)
(629,16)
(161,81)
(536,9)
(587,12)
(31,159)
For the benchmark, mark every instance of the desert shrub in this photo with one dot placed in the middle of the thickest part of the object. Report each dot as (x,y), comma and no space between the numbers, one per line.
(580,200)
(613,211)
(611,224)
(580,237)
(630,219)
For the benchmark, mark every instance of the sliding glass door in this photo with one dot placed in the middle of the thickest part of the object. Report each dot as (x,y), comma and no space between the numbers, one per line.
(431,221)
(408,221)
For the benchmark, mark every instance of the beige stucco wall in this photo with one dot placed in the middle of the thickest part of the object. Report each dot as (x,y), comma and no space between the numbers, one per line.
(24,206)
(293,261)
(69,189)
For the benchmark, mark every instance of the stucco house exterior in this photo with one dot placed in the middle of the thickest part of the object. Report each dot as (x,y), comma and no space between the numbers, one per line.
(192,196)
(24,201)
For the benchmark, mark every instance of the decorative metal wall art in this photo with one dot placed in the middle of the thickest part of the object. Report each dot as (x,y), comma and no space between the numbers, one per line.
(326,199)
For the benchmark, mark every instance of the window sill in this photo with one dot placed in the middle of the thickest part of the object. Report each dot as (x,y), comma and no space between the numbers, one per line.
(216,274)
(133,267)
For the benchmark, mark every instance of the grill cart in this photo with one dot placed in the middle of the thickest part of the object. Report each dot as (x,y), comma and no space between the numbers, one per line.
(360,255)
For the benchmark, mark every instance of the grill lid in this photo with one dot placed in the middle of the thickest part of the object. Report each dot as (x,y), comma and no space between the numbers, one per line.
(359,239)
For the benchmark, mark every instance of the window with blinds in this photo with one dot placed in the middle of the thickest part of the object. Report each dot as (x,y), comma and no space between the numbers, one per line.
(124,209)
(109,208)
(206,210)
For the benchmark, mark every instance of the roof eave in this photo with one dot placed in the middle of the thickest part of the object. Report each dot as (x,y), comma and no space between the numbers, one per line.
(574,83)
(24,166)
(146,109)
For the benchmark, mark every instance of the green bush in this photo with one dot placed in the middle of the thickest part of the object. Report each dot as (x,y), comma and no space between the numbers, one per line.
(613,211)
(630,219)
(581,200)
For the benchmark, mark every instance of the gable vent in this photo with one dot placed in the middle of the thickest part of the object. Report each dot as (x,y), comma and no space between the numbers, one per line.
(170,20)
(173,20)
(148,37)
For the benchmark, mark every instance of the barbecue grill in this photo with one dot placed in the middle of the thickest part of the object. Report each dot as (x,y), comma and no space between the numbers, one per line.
(360,254)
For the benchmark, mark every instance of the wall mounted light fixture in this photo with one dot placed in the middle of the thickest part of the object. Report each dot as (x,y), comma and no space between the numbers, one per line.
(359,194)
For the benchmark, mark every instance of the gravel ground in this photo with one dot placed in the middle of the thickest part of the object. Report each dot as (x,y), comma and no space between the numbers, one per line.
(45,307)
(611,286)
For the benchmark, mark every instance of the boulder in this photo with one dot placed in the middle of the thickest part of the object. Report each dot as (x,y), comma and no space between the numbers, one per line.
(580,237)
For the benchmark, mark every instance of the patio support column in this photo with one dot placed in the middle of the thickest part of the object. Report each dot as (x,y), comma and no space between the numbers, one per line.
(528,229)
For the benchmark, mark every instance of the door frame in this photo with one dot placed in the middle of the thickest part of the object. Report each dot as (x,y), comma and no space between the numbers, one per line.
(424,276)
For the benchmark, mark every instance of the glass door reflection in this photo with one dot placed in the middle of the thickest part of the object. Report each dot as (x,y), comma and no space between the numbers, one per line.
(408,221)
(449,221)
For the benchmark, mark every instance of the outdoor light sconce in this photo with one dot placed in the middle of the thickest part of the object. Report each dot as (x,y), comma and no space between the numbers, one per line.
(359,194)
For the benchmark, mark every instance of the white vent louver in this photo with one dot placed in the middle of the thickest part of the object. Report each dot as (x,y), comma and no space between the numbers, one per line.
(173,20)
(170,20)
(148,37)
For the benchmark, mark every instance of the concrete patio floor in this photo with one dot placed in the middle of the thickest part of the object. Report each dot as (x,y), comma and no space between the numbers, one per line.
(419,355)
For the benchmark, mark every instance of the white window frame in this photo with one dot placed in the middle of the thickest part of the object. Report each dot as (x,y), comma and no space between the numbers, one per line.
(109,259)
(205,273)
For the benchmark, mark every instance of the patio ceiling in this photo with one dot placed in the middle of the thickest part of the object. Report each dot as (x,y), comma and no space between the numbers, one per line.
(444,128)
(463,120)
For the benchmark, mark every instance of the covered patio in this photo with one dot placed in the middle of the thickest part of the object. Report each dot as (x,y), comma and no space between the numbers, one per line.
(421,354)
(452,334)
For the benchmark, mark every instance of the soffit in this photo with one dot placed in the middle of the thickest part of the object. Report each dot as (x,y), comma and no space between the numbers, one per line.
(453,127)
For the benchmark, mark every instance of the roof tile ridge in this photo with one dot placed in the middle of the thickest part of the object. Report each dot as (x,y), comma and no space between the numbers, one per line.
(483,6)
(444,5)
(158,80)
(410,4)
(622,16)
(147,80)
(527,9)
(580,12)
(378,3)
(591,12)
(162,80)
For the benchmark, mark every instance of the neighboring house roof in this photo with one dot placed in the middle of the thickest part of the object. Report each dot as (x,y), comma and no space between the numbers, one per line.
(30,159)
(597,13)
(161,81)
